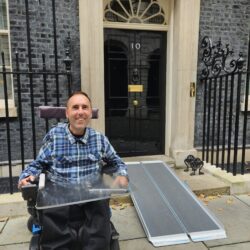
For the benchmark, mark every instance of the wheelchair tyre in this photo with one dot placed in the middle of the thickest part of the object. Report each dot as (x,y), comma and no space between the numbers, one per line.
(30,223)
(114,245)
(34,243)
(114,242)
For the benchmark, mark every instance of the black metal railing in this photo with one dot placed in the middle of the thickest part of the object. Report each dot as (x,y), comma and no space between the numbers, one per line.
(31,83)
(51,95)
(225,87)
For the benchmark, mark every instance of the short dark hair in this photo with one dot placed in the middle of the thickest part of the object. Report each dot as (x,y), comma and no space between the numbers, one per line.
(78,92)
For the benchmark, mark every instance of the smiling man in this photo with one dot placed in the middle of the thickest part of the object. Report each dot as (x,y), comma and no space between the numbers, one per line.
(72,151)
(79,113)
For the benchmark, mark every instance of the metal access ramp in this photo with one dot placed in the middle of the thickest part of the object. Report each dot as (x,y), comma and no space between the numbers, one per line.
(169,211)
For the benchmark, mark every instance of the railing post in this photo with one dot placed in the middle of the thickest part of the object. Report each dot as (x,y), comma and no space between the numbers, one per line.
(45,89)
(216,62)
(68,61)
(30,78)
(224,124)
(213,123)
(245,112)
(208,117)
(204,81)
(230,122)
(240,62)
(55,51)
(7,121)
(20,113)
(219,123)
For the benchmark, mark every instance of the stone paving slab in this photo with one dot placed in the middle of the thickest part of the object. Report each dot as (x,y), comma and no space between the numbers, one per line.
(13,209)
(244,198)
(239,184)
(127,223)
(3,221)
(232,211)
(15,231)
(240,246)
(143,244)
(21,246)
(229,210)
(235,217)
(12,205)
(203,184)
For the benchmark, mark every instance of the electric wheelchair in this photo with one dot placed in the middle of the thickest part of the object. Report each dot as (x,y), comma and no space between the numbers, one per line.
(40,194)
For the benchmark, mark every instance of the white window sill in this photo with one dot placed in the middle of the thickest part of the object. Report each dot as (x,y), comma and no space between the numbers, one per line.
(242,105)
(12,112)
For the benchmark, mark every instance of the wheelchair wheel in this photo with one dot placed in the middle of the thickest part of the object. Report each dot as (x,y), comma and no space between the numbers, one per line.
(34,243)
(30,223)
(114,242)
(114,245)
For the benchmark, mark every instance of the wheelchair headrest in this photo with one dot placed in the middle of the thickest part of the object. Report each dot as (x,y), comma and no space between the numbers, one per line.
(49,112)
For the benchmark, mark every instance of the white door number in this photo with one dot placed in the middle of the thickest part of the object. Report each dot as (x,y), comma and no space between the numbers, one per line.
(135,46)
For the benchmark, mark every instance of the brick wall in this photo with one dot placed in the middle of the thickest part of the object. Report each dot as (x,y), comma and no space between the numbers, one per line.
(225,19)
(228,20)
(42,41)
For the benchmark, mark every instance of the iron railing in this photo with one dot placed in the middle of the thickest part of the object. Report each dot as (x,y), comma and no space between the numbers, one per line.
(45,77)
(34,84)
(225,87)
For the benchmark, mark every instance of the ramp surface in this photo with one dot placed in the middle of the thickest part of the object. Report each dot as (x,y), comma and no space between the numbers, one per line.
(169,211)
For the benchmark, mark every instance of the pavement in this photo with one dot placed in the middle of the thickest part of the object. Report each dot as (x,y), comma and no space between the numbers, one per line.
(230,206)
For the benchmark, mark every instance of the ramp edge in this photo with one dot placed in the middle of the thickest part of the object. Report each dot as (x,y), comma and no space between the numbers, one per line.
(208,235)
(167,240)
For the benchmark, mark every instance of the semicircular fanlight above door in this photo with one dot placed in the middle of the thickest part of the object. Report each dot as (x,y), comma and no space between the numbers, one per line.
(135,11)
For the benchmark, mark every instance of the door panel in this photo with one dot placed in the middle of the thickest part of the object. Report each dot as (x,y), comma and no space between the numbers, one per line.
(135,91)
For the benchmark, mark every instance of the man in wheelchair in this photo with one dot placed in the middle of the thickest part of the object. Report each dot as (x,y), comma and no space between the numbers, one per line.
(72,151)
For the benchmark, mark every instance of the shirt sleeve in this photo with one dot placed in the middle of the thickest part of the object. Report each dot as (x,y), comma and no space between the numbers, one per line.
(43,159)
(113,159)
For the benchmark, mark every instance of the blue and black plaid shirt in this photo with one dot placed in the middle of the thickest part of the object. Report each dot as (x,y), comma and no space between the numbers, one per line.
(69,157)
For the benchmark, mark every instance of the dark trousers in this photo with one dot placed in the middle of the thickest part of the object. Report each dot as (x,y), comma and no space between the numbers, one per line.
(65,227)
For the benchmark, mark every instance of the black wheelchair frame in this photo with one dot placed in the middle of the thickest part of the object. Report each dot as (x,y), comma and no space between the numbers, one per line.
(29,192)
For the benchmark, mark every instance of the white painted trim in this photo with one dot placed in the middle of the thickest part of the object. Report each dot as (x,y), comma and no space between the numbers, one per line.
(12,108)
(242,105)
(135,26)
(169,79)
(4,32)
(132,162)
(208,235)
(155,161)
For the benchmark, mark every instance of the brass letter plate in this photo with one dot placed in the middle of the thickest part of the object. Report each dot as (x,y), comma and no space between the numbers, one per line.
(135,88)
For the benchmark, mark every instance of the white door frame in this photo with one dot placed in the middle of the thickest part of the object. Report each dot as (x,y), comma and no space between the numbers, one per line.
(181,68)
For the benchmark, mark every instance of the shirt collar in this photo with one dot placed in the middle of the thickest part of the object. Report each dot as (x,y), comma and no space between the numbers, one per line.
(73,139)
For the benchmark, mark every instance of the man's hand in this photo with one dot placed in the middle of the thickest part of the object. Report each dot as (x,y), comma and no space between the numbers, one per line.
(121,181)
(26,181)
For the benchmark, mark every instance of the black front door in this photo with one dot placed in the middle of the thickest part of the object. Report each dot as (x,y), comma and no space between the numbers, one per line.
(135,76)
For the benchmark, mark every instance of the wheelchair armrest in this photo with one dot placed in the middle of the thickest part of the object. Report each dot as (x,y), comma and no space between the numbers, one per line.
(41,183)
(49,112)
(29,192)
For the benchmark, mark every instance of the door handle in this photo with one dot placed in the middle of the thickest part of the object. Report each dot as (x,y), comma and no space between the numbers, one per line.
(192,89)
(135,102)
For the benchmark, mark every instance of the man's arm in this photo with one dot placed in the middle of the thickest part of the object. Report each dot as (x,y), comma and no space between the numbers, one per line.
(42,161)
(114,160)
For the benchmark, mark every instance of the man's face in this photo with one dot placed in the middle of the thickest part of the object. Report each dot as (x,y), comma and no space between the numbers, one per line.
(79,113)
